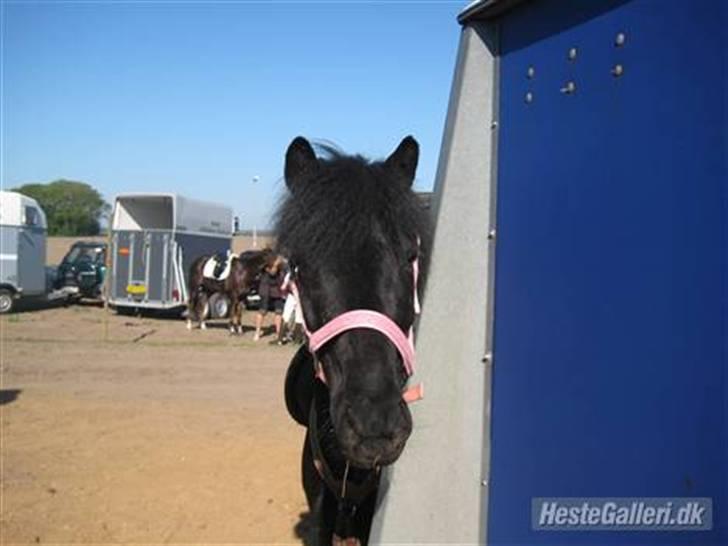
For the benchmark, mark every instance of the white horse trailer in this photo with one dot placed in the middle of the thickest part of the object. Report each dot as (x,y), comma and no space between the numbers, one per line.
(23,248)
(154,240)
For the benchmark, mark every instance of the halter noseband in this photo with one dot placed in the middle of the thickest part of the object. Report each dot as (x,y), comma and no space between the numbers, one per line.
(372,320)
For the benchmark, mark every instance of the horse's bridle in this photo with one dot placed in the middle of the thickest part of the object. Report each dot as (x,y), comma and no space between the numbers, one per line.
(372,320)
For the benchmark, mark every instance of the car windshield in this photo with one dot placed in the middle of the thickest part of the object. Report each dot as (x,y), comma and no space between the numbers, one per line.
(90,253)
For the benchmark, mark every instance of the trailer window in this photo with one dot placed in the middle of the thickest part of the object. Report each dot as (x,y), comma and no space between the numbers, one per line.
(32,218)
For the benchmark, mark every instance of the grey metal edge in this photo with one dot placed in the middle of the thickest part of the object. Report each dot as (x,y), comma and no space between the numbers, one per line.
(435,492)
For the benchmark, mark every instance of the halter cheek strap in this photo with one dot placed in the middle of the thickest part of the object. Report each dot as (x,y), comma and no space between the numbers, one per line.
(372,320)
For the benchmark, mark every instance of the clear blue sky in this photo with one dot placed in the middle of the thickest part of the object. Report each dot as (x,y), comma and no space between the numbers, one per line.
(198,98)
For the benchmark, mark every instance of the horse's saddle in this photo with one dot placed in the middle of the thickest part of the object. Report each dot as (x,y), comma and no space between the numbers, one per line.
(299,387)
(218,266)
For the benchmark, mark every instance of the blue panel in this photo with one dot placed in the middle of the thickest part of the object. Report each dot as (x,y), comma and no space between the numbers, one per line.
(610,310)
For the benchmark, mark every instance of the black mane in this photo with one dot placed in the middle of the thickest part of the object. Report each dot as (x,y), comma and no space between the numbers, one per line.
(347,204)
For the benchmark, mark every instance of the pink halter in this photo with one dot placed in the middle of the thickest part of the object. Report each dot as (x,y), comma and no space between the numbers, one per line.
(373,320)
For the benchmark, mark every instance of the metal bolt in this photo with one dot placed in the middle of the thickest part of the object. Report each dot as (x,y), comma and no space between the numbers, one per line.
(531,72)
(572,53)
(618,70)
(529,97)
(569,88)
(620,39)
(491,234)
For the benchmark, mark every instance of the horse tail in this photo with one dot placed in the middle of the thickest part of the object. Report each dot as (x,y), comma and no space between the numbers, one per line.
(195,278)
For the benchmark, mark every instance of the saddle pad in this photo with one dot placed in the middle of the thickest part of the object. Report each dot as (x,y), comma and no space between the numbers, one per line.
(208,270)
(299,386)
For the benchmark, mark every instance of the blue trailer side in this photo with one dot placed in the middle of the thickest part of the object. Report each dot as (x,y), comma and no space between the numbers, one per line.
(610,360)
(584,170)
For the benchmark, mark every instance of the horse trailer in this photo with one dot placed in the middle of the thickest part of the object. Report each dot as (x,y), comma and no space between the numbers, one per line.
(582,178)
(154,240)
(23,253)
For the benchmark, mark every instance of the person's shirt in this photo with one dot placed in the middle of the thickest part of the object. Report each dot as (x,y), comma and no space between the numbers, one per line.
(270,284)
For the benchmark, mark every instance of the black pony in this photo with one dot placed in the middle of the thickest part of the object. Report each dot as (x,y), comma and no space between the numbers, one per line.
(352,230)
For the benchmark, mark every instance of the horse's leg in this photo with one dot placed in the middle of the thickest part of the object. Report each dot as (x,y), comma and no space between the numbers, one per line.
(327,517)
(239,314)
(204,303)
(234,294)
(245,288)
(194,288)
(234,320)
(322,503)
(192,303)
(312,487)
(362,523)
(312,483)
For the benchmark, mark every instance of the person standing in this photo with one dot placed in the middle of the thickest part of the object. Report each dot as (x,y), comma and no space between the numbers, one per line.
(292,315)
(271,296)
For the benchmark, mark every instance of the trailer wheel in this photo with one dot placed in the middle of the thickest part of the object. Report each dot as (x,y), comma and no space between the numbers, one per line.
(6,301)
(219,305)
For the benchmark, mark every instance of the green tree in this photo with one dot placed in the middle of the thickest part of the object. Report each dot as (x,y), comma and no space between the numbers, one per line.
(72,208)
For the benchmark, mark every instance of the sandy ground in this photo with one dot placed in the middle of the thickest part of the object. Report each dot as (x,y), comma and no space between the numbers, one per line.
(137,430)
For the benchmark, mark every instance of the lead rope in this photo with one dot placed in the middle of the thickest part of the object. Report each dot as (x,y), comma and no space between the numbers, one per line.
(343,532)
(343,482)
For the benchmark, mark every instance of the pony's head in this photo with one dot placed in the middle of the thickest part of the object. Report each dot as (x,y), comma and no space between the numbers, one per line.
(352,230)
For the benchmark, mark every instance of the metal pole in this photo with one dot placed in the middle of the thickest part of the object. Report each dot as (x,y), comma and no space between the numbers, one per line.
(255,229)
(107,275)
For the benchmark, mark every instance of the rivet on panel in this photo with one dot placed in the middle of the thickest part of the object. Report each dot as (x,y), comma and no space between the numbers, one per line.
(529,97)
(569,88)
(618,70)
(572,53)
(620,39)
(484,483)
(531,72)
(491,234)
(493,125)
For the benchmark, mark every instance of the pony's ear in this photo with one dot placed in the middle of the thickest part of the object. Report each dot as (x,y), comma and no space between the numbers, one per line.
(403,160)
(300,161)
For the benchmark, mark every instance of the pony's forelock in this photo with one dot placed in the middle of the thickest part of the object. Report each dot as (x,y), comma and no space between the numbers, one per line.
(349,202)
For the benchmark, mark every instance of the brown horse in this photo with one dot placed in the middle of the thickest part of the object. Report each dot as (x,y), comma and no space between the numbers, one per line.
(244,270)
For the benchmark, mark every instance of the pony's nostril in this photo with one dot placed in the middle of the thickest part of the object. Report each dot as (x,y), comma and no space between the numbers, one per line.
(389,423)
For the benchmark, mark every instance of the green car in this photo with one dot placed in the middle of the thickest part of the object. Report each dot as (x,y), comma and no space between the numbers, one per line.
(84,266)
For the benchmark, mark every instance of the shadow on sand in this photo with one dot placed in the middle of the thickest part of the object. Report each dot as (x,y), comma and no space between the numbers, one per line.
(8,396)
(32,304)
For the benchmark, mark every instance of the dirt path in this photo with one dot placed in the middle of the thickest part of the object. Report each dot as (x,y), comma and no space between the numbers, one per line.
(179,437)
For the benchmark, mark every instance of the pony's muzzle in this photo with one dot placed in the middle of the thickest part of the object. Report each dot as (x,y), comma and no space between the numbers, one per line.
(374,434)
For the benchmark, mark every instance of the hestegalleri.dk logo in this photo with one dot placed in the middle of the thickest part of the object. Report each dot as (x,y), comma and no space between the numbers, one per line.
(622,514)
